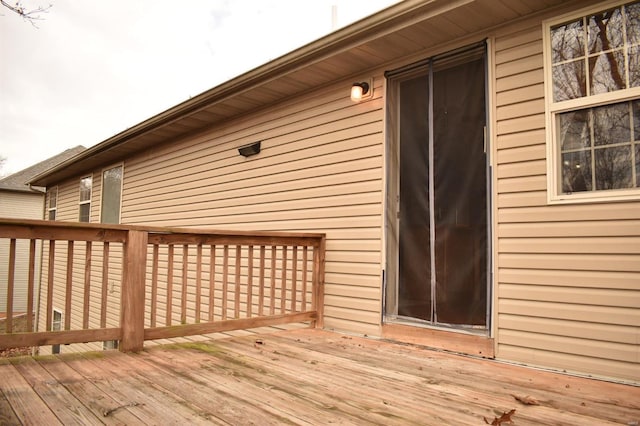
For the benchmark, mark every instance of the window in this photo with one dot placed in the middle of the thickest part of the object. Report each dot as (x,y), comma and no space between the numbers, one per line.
(85,199)
(52,206)
(111,195)
(592,66)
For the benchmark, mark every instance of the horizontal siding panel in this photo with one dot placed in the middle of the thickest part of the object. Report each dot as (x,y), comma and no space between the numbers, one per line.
(575,329)
(610,280)
(530,168)
(522,109)
(522,124)
(353,257)
(521,94)
(349,286)
(372,245)
(522,184)
(218,209)
(331,152)
(528,78)
(514,39)
(519,66)
(521,199)
(525,138)
(365,269)
(571,312)
(613,228)
(532,48)
(590,245)
(572,363)
(357,170)
(225,159)
(573,346)
(571,213)
(351,326)
(571,295)
(522,154)
(351,304)
(578,262)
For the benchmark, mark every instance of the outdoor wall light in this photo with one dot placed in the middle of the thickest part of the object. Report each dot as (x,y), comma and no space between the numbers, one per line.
(359,91)
(249,149)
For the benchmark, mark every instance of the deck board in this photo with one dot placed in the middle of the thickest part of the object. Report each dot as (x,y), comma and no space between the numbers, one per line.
(303,377)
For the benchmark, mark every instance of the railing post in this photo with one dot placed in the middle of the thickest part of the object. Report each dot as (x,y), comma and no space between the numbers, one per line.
(133,286)
(318,282)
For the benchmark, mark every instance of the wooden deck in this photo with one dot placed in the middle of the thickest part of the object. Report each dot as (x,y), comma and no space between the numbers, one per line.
(299,377)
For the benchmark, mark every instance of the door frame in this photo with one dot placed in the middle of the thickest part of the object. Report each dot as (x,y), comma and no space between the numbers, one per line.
(412,329)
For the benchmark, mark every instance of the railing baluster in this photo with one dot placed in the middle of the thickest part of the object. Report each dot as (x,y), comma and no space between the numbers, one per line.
(10,283)
(87,285)
(212,281)
(154,285)
(250,282)
(305,259)
(272,289)
(68,288)
(236,299)
(31,283)
(185,268)
(261,289)
(169,285)
(283,282)
(105,284)
(225,273)
(198,280)
(51,266)
(294,279)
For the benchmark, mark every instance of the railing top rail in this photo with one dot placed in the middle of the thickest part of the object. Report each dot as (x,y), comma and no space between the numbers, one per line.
(44,229)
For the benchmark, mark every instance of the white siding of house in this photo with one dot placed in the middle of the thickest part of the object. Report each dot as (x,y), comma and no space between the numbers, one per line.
(568,276)
(18,205)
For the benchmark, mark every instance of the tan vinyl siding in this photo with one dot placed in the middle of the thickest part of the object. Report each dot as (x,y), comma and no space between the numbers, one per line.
(320,170)
(19,205)
(568,277)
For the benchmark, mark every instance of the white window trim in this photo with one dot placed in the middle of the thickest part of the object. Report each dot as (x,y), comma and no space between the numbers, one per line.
(554,173)
(113,166)
(80,202)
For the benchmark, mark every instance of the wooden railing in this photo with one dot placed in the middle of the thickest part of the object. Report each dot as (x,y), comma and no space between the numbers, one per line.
(131,283)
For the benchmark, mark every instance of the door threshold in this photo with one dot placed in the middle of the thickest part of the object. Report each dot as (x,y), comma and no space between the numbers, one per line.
(462,341)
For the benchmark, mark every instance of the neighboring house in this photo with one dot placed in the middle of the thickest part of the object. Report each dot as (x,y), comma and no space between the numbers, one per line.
(483,196)
(19,200)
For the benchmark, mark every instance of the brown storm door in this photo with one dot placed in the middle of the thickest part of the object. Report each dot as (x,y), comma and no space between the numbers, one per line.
(437,210)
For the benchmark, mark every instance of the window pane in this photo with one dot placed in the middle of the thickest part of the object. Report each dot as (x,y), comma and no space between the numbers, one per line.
(83,215)
(85,189)
(605,31)
(567,41)
(634,66)
(607,72)
(111,194)
(573,130)
(576,171)
(613,168)
(52,215)
(633,23)
(53,198)
(611,124)
(569,81)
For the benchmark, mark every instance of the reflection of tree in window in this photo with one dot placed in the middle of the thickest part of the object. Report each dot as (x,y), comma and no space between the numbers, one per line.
(605,39)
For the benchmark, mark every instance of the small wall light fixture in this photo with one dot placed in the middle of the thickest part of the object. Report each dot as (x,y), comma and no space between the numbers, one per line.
(250,149)
(360,91)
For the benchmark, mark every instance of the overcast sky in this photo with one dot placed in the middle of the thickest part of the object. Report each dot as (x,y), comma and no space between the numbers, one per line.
(94,68)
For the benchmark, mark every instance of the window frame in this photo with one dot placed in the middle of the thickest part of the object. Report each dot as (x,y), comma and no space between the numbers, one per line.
(82,202)
(554,109)
(53,190)
(102,186)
